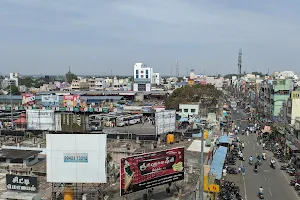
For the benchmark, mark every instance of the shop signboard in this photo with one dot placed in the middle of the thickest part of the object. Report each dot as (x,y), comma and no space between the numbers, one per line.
(21,183)
(7,108)
(105,110)
(148,170)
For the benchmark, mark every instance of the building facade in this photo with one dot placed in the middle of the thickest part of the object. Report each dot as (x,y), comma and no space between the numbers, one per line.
(143,77)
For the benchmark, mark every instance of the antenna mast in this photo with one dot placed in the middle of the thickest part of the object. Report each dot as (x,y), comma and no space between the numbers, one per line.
(177,69)
(240,62)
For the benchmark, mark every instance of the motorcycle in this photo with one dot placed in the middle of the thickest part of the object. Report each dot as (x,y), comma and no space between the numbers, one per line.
(264,157)
(250,162)
(272,165)
(255,170)
(261,195)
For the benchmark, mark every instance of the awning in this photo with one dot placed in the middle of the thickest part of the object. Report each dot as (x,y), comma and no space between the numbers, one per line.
(291,146)
(224,139)
(216,167)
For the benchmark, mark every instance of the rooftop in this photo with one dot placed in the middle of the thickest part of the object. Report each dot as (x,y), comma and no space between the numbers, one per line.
(14,153)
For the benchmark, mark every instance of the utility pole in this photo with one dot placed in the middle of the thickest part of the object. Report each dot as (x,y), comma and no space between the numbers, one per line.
(11,109)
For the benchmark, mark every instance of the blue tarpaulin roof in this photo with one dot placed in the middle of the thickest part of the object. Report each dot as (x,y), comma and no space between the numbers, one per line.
(224,139)
(184,119)
(216,167)
(200,134)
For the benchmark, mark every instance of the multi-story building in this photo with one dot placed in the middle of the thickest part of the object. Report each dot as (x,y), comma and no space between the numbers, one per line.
(156,79)
(143,77)
(293,107)
(273,94)
(101,84)
(15,77)
(80,85)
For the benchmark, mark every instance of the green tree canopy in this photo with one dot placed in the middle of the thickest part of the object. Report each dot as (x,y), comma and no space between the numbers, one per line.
(70,77)
(14,90)
(194,93)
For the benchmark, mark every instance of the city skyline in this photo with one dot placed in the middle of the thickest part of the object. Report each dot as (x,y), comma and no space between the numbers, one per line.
(97,37)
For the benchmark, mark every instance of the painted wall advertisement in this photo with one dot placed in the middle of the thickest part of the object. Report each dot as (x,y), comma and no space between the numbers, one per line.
(145,171)
(28,99)
(21,183)
(50,100)
(71,100)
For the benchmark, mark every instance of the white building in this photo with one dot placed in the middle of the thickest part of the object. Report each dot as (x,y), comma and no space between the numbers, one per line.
(188,109)
(143,77)
(15,77)
(101,84)
(156,79)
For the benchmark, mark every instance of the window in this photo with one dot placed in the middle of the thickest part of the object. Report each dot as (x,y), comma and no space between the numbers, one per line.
(180,110)
(146,71)
(142,76)
(141,87)
(186,110)
(193,110)
(137,73)
(147,76)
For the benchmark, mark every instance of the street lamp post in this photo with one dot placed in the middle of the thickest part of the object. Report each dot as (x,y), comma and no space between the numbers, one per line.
(11,109)
(201,184)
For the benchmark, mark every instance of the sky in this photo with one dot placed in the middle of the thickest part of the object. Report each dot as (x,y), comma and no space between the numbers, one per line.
(103,37)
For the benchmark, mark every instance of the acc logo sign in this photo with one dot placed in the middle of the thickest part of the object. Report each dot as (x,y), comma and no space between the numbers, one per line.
(214,188)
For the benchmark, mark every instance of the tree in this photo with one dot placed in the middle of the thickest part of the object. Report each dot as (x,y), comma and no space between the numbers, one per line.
(70,77)
(27,81)
(14,90)
(208,94)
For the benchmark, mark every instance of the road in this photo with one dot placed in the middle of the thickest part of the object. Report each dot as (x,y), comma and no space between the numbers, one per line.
(275,182)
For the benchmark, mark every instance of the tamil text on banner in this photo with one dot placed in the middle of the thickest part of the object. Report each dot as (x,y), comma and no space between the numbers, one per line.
(21,183)
(71,100)
(50,100)
(145,171)
(28,99)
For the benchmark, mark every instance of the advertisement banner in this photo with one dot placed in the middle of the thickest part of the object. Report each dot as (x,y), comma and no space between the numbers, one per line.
(295,95)
(50,100)
(21,183)
(71,100)
(28,99)
(145,171)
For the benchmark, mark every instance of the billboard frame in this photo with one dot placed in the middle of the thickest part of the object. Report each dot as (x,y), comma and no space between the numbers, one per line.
(158,177)
(71,158)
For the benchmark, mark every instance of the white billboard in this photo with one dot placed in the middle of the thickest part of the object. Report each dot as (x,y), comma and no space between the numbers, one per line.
(42,120)
(76,158)
(50,100)
(165,121)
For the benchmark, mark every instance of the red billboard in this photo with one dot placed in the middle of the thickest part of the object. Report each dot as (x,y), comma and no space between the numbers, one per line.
(28,99)
(145,171)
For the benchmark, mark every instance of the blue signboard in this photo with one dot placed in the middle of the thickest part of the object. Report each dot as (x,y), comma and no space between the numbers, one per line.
(76,157)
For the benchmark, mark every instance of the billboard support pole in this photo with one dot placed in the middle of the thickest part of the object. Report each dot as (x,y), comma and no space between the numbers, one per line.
(201,186)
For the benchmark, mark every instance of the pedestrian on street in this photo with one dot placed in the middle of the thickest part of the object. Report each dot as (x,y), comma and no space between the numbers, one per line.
(240,169)
(247,132)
